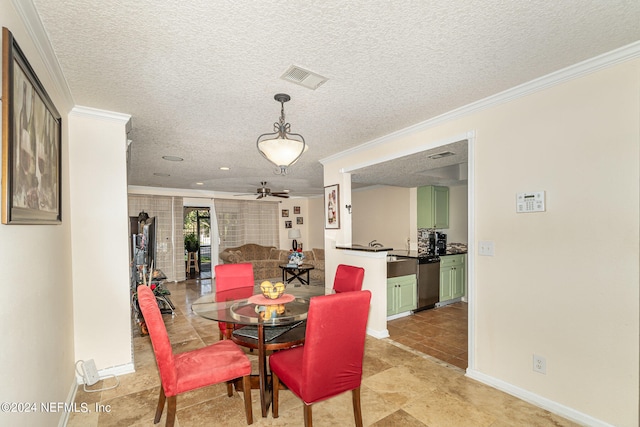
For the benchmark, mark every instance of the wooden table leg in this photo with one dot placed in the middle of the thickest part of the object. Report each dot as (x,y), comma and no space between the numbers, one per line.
(265,392)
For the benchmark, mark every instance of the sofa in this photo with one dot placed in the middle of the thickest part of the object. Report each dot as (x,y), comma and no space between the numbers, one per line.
(266,259)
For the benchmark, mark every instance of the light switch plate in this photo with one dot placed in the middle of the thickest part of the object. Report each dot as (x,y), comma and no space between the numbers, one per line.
(486,248)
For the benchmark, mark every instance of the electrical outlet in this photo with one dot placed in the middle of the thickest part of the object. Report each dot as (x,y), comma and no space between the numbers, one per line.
(486,248)
(90,372)
(539,364)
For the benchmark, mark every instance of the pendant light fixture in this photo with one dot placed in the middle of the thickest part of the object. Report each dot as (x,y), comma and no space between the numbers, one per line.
(281,147)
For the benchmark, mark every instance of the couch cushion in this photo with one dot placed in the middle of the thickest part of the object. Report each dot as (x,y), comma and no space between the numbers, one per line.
(278,254)
(251,251)
(283,256)
(237,257)
(318,253)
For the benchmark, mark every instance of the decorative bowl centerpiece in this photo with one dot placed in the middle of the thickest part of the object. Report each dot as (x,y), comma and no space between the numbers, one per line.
(272,291)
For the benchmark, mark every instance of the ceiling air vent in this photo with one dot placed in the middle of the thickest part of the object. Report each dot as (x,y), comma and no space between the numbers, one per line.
(303,77)
(441,155)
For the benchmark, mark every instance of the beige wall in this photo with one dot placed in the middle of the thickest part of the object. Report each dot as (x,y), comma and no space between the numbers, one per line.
(381,213)
(552,288)
(316,222)
(37,334)
(100,242)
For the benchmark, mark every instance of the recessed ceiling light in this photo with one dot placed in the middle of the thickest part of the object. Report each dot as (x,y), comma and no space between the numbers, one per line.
(224,168)
(173,158)
(199,183)
(161,174)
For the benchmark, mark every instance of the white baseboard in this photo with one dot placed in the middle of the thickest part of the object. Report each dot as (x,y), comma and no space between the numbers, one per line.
(377,333)
(399,315)
(71,397)
(542,402)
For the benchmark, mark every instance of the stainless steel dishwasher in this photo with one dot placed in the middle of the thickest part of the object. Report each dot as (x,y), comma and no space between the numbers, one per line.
(428,281)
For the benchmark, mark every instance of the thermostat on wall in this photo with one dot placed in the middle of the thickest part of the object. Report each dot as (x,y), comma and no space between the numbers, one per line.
(530,202)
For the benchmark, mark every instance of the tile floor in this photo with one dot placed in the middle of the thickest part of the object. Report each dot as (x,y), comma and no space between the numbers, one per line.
(439,332)
(400,387)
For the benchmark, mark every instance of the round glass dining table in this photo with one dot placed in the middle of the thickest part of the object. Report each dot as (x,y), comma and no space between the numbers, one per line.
(264,318)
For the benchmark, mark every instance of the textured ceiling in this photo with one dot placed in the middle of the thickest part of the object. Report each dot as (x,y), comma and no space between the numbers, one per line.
(198,77)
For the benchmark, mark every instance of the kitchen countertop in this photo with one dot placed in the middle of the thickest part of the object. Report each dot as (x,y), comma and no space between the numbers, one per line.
(363,248)
(454,252)
(404,254)
(454,249)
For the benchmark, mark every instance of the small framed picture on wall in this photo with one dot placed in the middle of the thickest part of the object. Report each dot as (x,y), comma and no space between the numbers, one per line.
(299,220)
(288,224)
(331,206)
(296,210)
(285,213)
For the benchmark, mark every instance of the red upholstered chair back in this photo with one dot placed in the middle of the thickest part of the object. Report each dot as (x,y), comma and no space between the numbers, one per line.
(348,278)
(159,339)
(233,281)
(334,344)
(232,276)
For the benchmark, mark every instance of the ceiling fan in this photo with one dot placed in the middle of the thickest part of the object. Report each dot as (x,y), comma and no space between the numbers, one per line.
(264,192)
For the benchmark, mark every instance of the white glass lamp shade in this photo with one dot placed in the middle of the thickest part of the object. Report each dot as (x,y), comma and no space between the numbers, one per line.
(294,233)
(282,151)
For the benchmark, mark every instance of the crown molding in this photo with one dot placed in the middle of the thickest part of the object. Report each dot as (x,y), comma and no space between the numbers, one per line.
(100,114)
(623,54)
(27,12)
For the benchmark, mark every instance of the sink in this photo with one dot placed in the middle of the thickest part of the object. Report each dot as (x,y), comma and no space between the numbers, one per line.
(397,267)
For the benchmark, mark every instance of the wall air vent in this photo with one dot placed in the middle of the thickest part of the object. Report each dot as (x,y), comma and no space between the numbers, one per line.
(303,77)
(441,155)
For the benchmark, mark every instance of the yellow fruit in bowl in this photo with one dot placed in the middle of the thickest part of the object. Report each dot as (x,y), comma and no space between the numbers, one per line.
(271,291)
(266,287)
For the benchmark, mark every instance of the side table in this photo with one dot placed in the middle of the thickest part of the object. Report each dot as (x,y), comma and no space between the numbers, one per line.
(296,272)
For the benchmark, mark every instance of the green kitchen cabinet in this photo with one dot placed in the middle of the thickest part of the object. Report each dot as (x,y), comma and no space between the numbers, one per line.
(401,294)
(452,276)
(433,207)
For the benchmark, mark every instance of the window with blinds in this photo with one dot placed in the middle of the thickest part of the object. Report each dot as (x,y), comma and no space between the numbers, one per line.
(246,221)
(169,253)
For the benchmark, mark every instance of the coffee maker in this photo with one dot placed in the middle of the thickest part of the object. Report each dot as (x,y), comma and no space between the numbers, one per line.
(440,243)
(431,243)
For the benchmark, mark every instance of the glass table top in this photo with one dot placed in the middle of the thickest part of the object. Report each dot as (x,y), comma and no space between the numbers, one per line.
(241,311)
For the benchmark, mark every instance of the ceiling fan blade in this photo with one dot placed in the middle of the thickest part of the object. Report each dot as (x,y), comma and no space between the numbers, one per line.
(283,195)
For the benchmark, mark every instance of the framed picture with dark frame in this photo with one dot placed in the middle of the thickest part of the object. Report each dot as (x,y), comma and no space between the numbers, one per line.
(288,224)
(296,210)
(332,206)
(299,220)
(285,213)
(31,143)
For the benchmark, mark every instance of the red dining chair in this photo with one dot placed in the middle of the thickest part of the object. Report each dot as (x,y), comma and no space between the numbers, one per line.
(348,278)
(313,371)
(233,281)
(220,362)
